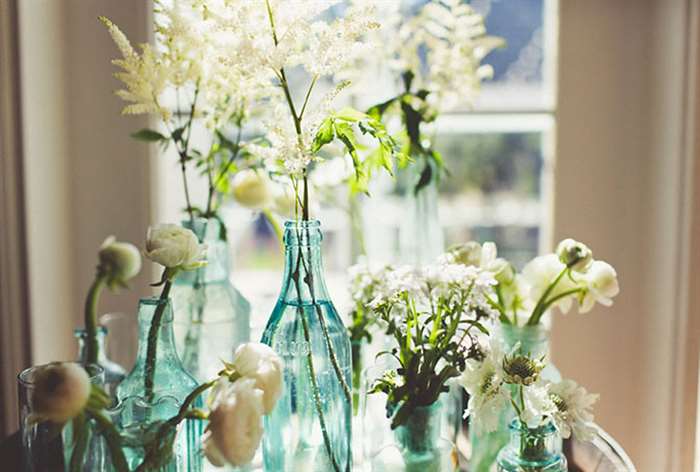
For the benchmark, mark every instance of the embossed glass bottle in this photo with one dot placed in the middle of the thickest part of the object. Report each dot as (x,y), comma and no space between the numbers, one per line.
(310,428)
(137,416)
(212,318)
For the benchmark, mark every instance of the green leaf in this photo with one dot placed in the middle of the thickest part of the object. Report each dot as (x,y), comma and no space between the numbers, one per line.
(324,135)
(377,111)
(350,114)
(177,134)
(148,135)
(424,179)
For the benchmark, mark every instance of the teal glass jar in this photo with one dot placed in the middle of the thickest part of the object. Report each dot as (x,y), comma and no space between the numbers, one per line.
(310,427)
(532,340)
(532,450)
(113,372)
(212,318)
(137,414)
(419,436)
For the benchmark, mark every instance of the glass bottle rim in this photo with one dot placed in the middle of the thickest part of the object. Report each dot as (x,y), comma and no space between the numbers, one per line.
(25,378)
(544,429)
(82,332)
(291,224)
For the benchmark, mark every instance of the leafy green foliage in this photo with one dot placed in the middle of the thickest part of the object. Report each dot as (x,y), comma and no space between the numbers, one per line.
(343,125)
(149,135)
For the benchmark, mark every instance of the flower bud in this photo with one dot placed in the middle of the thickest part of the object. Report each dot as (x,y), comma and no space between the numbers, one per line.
(503,272)
(119,261)
(574,255)
(468,254)
(252,189)
(173,246)
(61,391)
(258,361)
(235,425)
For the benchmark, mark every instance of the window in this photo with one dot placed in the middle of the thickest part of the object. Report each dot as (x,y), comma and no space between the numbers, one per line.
(499,156)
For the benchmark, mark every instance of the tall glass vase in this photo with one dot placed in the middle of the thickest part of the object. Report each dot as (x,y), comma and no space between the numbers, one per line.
(137,415)
(212,318)
(113,372)
(310,428)
(532,450)
(533,341)
(421,239)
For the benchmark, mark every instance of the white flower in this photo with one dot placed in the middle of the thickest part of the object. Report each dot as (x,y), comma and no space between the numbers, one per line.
(574,254)
(602,286)
(538,405)
(60,391)
(174,247)
(259,362)
(573,410)
(366,281)
(487,397)
(252,189)
(540,272)
(235,425)
(119,261)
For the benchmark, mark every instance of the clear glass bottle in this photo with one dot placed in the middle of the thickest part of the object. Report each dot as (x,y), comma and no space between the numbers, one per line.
(310,428)
(532,340)
(212,318)
(114,373)
(136,415)
(532,450)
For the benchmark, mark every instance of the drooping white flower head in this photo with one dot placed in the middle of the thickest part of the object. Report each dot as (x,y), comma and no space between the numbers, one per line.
(573,413)
(574,254)
(601,286)
(174,247)
(235,424)
(259,362)
(119,261)
(60,391)
(252,189)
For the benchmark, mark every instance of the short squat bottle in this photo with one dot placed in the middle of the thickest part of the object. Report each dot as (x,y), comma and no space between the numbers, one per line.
(113,372)
(310,427)
(532,450)
(136,413)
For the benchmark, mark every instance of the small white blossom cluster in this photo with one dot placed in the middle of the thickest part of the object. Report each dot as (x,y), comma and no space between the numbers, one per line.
(553,280)
(490,383)
(366,281)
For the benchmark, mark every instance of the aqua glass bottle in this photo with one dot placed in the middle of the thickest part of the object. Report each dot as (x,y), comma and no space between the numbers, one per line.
(532,450)
(310,427)
(212,318)
(136,414)
(532,341)
(113,372)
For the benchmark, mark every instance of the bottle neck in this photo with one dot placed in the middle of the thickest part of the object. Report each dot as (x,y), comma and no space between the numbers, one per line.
(534,445)
(532,340)
(81,335)
(165,350)
(211,232)
(303,281)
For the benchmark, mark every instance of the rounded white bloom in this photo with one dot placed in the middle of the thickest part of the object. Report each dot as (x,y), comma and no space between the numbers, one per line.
(119,261)
(538,405)
(173,246)
(602,286)
(573,410)
(61,391)
(540,272)
(235,425)
(259,362)
(574,254)
(252,189)
(468,254)
(483,380)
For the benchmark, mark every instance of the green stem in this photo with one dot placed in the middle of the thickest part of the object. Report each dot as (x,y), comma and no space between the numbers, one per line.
(152,345)
(80,442)
(113,439)
(224,171)
(539,308)
(555,299)
(91,302)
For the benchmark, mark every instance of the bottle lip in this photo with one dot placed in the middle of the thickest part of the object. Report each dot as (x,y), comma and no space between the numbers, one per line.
(82,332)
(543,430)
(291,224)
(26,377)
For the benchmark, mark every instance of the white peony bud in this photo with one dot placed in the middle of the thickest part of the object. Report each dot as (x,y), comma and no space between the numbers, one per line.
(252,189)
(602,286)
(235,425)
(119,261)
(173,246)
(574,254)
(61,391)
(259,362)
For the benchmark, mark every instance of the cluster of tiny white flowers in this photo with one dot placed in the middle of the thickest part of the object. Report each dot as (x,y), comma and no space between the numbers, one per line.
(366,281)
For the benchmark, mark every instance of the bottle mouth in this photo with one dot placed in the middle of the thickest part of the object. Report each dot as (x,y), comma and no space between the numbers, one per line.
(155,302)
(206,229)
(291,224)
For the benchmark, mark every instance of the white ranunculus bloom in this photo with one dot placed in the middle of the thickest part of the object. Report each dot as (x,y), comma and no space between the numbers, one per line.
(119,261)
(259,362)
(174,247)
(573,413)
(540,272)
(235,425)
(574,254)
(61,391)
(252,189)
(602,286)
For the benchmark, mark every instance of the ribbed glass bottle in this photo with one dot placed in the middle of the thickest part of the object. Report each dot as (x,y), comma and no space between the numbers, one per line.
(310,428)
(136,414)
(212,318)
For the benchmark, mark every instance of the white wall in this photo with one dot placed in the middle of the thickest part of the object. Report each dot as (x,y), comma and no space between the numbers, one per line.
(85,178)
